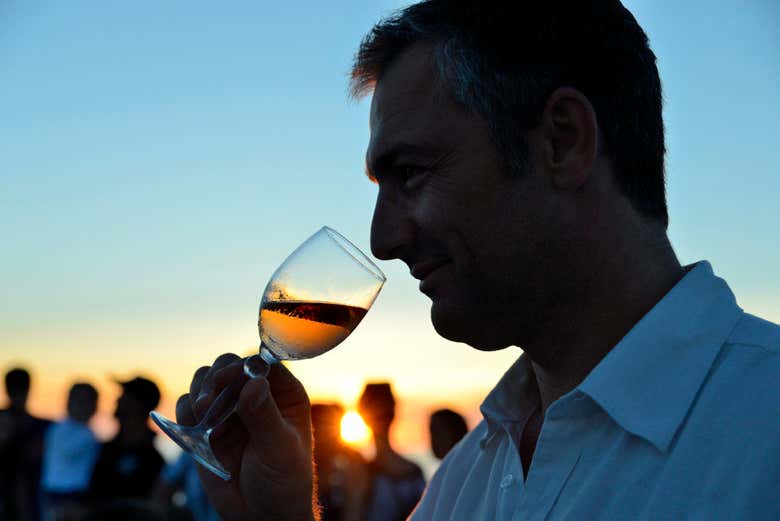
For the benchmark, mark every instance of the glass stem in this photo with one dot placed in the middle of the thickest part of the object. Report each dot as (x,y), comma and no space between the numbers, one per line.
(259,365)
(223,406)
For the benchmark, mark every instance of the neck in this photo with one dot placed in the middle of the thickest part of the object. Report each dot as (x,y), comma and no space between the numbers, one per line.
(621,288)
(382,443)
(18,408)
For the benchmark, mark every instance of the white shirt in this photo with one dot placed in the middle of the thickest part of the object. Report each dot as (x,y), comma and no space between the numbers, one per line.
(680,421)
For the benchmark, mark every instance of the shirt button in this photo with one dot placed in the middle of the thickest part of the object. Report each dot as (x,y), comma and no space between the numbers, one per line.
(506,481)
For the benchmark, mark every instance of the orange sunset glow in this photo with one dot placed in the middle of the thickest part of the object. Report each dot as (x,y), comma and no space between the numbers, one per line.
(354,430)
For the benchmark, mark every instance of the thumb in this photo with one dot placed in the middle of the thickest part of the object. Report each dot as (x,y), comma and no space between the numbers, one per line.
(270,435)
(276,477)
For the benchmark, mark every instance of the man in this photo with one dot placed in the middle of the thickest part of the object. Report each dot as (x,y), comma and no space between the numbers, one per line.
(395,483)
(341,471)
(129,465)
(21,451)
(446,429)
(71,450)
(519,156)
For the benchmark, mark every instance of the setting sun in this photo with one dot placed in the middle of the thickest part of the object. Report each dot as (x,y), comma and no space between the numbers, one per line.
(353,429)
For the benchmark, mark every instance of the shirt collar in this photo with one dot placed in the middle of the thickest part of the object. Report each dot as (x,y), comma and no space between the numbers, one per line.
(512,400)
(649,380)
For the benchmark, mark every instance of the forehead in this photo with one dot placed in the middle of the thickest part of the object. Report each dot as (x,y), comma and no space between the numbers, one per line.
(408,105)
(408,78)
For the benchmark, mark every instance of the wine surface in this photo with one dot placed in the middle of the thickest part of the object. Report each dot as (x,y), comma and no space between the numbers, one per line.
(304,329)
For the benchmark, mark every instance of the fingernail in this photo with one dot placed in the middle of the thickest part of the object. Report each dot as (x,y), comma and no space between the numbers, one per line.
(201,397)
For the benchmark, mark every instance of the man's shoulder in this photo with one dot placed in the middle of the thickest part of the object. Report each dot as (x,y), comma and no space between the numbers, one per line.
(755,332)
(70,431)
(742,383)
(751,354)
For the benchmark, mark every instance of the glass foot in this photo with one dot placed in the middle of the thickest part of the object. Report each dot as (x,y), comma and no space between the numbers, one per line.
(193,440)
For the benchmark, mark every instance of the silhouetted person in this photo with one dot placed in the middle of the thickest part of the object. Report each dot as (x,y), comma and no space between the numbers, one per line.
(21,451)
(341,471)
(129,464)
(70,452)
(447,428)
(182,476)
(396,484)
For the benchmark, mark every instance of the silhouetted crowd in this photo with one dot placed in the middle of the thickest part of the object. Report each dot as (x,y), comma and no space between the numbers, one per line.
(59,471)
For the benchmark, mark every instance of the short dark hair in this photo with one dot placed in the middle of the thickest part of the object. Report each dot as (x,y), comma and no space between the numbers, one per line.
(17,381)
(82,399)
(144,391)
(377,402)
(450,420)
(502,60)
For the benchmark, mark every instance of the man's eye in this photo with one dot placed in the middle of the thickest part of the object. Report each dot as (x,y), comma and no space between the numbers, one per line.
(412,176)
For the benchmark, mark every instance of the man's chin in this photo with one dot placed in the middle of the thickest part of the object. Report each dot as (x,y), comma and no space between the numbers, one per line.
(461,327)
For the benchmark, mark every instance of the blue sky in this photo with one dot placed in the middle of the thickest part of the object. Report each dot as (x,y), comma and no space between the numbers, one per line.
(158,160)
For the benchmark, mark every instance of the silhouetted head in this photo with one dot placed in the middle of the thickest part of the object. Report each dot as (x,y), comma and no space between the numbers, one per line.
(326,423)
(377,406)
(447,428)
(139,397)
(82,402)
(17,386)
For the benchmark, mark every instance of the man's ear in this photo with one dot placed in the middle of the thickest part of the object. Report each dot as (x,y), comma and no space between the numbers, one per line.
(570,134)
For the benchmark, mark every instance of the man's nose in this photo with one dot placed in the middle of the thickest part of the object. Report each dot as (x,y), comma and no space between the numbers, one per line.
(392,230)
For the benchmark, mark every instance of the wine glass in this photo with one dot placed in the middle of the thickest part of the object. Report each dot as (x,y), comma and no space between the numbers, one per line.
(313,301)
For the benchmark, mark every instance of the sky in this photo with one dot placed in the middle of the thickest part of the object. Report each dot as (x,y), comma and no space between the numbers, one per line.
(158,160)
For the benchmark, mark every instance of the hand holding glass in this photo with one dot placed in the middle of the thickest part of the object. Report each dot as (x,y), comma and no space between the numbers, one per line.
(313,301)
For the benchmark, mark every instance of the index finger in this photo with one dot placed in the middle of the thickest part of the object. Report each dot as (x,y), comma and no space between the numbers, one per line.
(184,413)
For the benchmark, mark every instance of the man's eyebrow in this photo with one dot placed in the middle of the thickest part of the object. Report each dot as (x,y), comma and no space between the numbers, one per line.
(387,158)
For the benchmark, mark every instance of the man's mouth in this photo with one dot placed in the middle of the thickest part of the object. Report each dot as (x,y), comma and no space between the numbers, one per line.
(421,270)
(426,273)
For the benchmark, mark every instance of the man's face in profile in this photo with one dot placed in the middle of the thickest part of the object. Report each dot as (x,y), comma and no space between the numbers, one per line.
(467,229)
